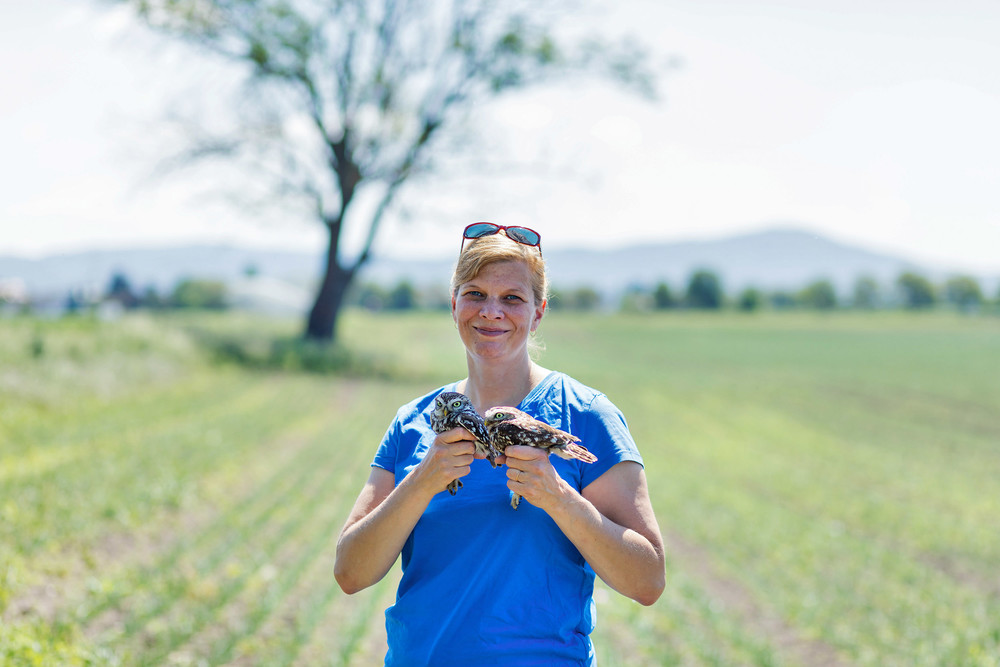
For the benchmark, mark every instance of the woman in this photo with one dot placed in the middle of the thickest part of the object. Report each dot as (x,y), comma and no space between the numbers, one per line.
(482,583)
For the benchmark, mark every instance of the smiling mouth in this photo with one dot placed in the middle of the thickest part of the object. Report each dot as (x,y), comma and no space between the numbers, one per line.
(490,332)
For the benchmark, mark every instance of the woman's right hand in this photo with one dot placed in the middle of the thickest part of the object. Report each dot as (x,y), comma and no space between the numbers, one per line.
(450,457)
(385,513)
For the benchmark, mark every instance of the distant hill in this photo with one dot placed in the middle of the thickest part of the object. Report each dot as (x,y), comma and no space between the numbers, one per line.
(775,259)
(161,268)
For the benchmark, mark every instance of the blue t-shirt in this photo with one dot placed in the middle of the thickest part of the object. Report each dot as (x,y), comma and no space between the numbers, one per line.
(484,584)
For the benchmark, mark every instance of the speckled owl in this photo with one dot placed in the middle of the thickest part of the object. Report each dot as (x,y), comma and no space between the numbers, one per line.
(510,426)
(451,410)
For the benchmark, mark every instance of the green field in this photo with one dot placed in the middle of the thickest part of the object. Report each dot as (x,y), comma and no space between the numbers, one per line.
(828,486)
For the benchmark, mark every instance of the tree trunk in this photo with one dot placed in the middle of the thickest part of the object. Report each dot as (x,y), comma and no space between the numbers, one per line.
(322,323)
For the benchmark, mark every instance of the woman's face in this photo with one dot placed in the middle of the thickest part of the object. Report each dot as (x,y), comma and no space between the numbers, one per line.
(496,310)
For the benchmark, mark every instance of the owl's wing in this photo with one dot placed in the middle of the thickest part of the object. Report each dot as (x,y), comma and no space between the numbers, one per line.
(474,424)
(542,431)
(572,451)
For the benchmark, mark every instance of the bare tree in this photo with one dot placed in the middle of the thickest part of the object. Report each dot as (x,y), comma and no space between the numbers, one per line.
(349,97)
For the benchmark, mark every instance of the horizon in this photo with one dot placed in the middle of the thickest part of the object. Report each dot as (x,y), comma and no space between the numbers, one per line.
(237,243)
(739,259)
(627,244)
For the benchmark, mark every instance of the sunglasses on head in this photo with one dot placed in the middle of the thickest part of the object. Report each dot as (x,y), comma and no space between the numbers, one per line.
(522,235)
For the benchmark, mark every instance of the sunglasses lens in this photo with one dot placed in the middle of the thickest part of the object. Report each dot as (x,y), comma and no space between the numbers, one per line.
(480,230)
(524,235)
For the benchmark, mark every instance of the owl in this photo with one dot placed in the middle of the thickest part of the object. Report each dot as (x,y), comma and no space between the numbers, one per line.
(510,426)
(452,409)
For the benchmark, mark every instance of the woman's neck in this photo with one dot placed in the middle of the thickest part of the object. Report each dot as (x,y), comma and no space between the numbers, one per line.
(492,385)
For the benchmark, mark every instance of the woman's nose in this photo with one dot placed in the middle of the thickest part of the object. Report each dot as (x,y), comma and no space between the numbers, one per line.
(491,309)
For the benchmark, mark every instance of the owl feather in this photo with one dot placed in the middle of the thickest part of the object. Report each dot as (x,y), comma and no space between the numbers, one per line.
(453,409)
(509,426)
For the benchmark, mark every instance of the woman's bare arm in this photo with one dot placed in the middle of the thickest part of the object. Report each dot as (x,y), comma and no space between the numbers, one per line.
(611,522)
(384,514)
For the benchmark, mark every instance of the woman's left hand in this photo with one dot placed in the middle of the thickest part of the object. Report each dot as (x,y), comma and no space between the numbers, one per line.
(530,474)
(610,521)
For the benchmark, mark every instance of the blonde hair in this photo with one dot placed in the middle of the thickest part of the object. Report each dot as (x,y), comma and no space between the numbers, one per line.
(480,253)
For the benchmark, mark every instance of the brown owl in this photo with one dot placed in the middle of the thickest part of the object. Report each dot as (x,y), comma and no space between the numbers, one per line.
(451,410)
(510,426)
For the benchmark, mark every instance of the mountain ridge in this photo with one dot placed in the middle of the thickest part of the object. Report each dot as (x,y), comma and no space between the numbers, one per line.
(777,258)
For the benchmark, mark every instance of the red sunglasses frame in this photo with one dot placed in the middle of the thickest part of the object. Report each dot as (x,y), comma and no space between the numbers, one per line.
(497,229)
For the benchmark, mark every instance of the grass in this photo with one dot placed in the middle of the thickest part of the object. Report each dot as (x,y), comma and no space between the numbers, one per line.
(827,485)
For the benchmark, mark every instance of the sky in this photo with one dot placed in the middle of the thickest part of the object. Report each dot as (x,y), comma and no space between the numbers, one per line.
(872,123)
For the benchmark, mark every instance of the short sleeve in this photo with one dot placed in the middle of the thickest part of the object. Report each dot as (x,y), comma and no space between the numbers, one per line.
(386,455)
(606,434)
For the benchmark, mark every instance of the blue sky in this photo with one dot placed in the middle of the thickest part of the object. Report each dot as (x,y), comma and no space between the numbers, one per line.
(870,122)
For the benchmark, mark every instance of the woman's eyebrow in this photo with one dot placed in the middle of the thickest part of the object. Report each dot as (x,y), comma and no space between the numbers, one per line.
(480,288)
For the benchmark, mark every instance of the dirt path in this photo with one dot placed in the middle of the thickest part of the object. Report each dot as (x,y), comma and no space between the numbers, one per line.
(790,645)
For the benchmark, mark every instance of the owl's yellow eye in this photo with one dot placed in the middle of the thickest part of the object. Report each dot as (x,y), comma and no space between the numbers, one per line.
(456,404)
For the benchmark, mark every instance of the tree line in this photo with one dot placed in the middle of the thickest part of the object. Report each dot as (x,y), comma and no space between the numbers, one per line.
(187,293)
(910,290)
(704,290)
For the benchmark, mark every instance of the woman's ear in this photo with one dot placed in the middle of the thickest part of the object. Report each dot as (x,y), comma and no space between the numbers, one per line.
(538,315)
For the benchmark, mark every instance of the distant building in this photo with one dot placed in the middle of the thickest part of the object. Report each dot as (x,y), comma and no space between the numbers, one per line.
(268,295)
(13,290)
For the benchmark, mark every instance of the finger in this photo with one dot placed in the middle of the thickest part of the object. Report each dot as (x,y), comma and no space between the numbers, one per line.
(453,472)
(525,464)
(462,460)
(457,434)
(457,447)
(525,453)
(520,487)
